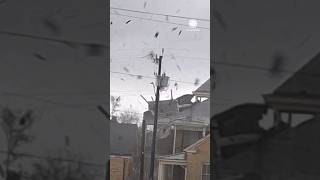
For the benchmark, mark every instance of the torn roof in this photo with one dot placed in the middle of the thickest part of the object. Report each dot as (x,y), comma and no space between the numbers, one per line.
(185,99)
(193,147)
(203,90)
(165,106)
(304,81)
(243,118)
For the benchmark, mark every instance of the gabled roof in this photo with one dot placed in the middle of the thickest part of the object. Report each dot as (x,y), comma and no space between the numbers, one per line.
(185,99)
(203,90)
(304,81)
(193,147)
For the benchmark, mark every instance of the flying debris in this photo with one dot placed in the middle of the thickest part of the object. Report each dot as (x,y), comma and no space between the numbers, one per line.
(167,17)
(126,69)
(196,81)
(67,140)
(70,44)
(175,28)
(305,40)
(122,79)
(95,50)
(145,4)
(220,19)
(277,63)
(176,85)
(39,56)
(178,67)
(111,22)
(152,56)
(156,35)
(51,25)
(180,32)
(128,21)
(139,77)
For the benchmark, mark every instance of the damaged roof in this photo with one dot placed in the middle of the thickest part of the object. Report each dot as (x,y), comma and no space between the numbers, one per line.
(304,81)
(204,89)
(193,147)
(243,118)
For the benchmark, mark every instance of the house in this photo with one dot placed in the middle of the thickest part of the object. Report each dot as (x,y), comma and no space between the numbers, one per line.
(181,123)
(300,94)
(287,150)
(123,151)
(192,163)
(120,167)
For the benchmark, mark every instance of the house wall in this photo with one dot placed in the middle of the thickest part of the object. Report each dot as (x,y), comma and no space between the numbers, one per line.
(196,160)
(292,154)
(201,111)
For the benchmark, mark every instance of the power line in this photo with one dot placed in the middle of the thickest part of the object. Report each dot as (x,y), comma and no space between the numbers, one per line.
(159,14)
(51,102)
(66,42)
(149,77)
(148,19)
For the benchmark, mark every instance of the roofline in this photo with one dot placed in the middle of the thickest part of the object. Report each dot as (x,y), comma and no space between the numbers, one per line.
(199,142)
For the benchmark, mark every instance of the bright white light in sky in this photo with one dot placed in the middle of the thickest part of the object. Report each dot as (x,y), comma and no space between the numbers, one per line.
(193,23)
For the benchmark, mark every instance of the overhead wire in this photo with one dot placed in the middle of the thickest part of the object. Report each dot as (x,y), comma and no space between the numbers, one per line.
(149,77)
(148,19)
(160,14)
(30,36)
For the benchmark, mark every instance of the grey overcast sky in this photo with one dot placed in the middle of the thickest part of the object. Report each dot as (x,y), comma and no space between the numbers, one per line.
(61,84)
(256,30)
(186,56)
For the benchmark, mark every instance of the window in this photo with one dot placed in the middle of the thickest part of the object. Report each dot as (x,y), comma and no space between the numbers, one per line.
(206,171)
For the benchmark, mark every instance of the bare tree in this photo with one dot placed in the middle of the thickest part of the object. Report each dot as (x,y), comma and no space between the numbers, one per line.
(128,117)
(15,128)
(61,169)
(115,104)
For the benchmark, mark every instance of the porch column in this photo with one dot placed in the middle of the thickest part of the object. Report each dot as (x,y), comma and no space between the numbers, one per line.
(160,171)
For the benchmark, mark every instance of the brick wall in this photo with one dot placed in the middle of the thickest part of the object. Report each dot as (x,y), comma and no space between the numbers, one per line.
(196,160)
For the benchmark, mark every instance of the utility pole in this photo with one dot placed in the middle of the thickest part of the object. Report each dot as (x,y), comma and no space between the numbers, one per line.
(107,115)
(155,124)
(143,136)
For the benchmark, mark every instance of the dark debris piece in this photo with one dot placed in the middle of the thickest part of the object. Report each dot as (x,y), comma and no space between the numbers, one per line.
(175,28)
(39,56)
(220,19)
(52,26)
(128,21)
(95,50)
(180,32)
(178,67)
(139,77)
(196,81)
(126,69)
(277,63)
(156,35)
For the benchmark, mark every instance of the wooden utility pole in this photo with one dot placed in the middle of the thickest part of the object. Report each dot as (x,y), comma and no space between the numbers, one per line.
(143,136)
(155,124)
(107,115)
